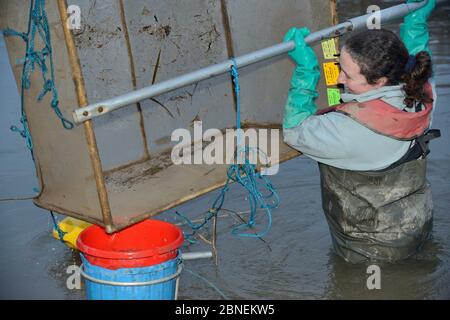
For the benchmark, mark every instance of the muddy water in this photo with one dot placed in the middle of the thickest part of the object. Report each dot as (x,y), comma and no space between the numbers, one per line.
(294,261)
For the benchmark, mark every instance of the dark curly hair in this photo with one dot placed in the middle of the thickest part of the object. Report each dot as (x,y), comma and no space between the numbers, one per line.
(380,53)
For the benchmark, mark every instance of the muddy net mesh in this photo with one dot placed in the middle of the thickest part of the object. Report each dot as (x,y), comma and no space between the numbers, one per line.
(126,45)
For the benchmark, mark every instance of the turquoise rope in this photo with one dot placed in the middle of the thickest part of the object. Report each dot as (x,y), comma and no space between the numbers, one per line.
(246,175)
(237,90)
(37,23)
(61,233)
(215,208)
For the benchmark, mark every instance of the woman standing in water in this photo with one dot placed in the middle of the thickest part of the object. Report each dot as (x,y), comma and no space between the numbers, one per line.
(371,149)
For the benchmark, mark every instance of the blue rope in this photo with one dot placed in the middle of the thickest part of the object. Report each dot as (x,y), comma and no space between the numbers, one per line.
(61,233)
(237,90)
(215,208)
(37,23)
(245,174)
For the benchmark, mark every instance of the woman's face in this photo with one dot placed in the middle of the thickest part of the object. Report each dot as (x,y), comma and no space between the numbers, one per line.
(351,77)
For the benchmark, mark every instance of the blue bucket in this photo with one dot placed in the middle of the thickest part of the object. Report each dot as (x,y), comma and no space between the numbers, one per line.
(157,282)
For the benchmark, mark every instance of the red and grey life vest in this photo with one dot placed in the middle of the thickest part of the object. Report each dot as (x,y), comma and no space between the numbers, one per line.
(387,120)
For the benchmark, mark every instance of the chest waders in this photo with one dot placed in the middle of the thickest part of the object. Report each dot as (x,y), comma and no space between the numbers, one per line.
(387,214)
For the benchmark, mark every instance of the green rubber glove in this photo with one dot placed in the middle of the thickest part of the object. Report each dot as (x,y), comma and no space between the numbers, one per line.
(300,103)
(414,30)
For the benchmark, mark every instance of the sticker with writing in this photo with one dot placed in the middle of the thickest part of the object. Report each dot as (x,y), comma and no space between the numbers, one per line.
(329,49)
(334,96)
(331,71)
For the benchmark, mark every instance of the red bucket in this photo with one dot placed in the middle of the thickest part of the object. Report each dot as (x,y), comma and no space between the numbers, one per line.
(144,244)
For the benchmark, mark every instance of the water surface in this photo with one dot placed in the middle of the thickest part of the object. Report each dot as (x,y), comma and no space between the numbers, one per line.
(294,261)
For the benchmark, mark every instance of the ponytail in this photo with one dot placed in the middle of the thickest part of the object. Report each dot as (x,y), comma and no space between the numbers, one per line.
(418,70)
(380,53)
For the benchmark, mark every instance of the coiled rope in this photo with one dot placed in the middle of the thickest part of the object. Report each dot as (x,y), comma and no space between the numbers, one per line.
(246,175)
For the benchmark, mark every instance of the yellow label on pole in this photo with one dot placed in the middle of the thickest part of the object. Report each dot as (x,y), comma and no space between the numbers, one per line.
(334,96)
(329,49)
(331,72)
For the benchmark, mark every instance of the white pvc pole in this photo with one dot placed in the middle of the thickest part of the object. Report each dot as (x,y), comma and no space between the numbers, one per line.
(103,107)
(196,255)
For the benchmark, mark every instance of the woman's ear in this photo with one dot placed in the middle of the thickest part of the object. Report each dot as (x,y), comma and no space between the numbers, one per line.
(381,82)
